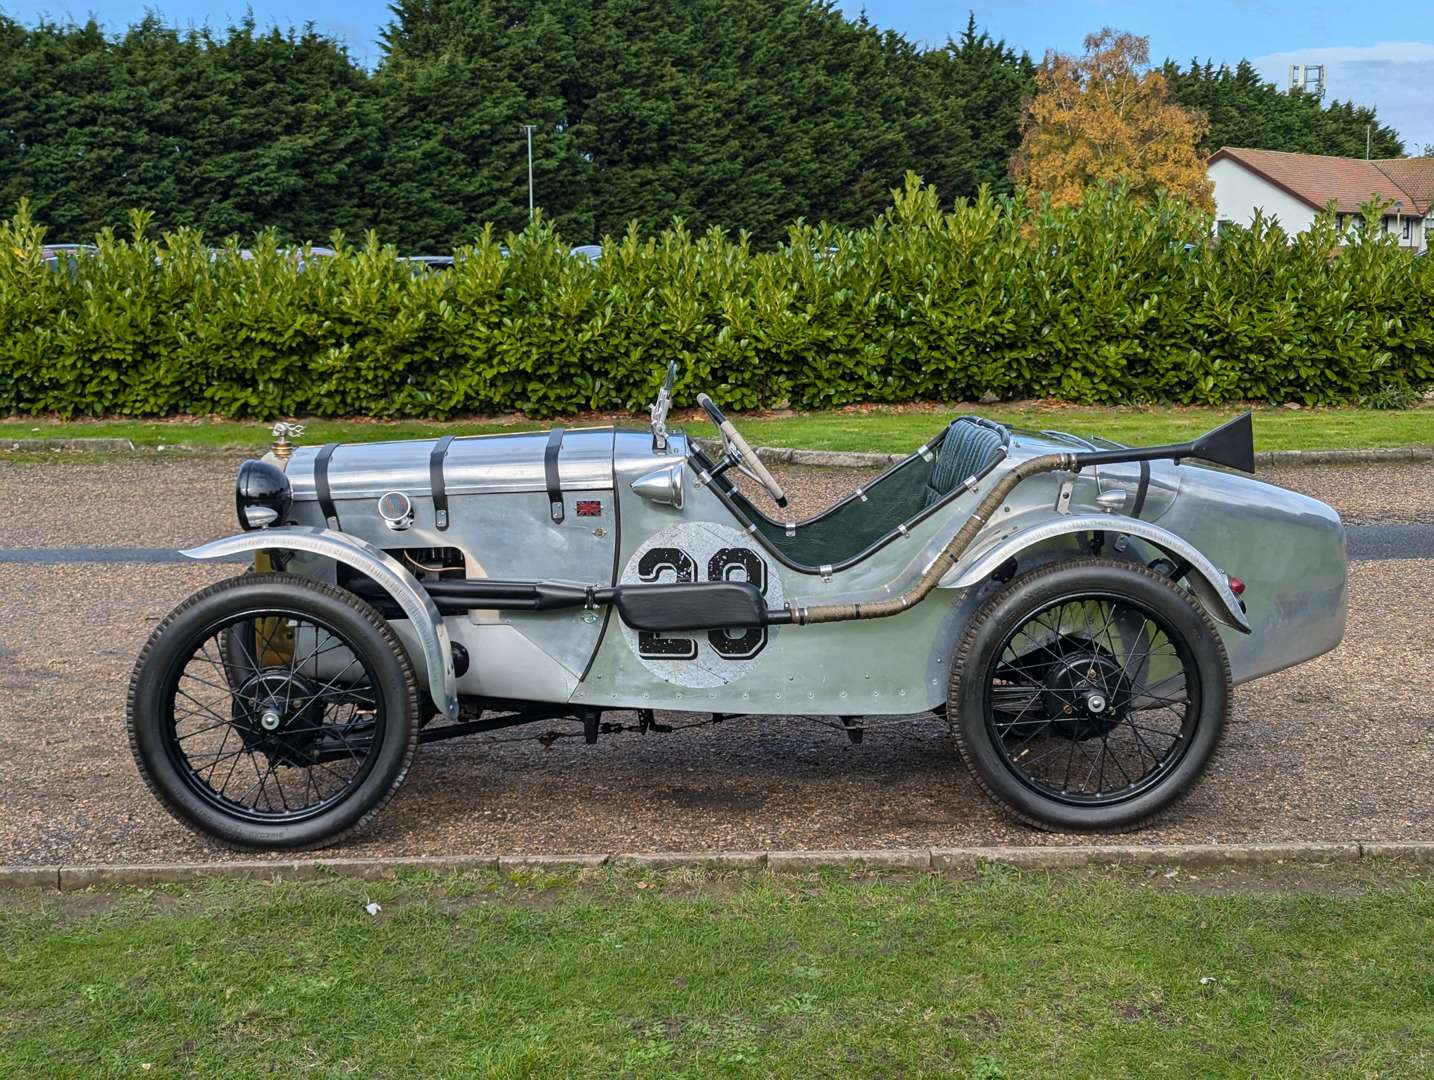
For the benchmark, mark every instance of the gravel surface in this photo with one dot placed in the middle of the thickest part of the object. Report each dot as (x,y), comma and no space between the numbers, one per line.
(1364,494)
(149,500)
(1342,747)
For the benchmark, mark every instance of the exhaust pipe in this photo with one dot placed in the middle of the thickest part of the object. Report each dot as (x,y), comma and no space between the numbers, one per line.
(1231,444)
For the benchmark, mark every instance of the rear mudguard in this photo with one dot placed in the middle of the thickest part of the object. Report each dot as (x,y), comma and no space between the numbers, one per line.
(423,615)
(1207,582)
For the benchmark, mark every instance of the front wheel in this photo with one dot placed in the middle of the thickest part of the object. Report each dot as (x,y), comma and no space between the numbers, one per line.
(272,711)
(1089,695)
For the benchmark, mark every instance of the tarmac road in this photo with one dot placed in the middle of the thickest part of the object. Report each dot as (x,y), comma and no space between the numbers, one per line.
(1340,748)
(1372,542)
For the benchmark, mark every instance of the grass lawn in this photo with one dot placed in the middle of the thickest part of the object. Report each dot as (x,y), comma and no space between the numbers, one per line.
(895,429)
(1319,972)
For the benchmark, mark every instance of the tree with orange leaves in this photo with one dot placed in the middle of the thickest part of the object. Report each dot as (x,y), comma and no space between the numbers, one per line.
(1106,117)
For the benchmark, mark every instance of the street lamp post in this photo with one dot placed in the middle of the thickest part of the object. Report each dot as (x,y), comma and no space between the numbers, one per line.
(529,129)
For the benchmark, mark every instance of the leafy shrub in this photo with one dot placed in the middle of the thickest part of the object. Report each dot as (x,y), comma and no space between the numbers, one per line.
(1102,303)
(1391,397)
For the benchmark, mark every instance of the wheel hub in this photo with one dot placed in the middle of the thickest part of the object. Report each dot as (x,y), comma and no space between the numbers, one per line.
(1085,695)
(277,713)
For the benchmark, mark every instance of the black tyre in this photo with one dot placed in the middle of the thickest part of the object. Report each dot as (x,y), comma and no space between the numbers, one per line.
(272,711)
(1089,695)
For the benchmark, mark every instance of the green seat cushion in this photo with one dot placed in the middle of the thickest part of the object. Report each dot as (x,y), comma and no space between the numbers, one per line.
(967,449)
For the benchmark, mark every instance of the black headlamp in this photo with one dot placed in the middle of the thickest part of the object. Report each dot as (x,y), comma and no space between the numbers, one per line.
(262,495)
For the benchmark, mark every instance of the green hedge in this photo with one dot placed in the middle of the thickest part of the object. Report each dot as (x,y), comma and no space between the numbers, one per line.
(1109,302)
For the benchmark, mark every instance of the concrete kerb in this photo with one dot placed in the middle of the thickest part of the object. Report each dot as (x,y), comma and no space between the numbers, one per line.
(29,877)
(1418,851)
(69,878)
(671,860)
(1187,855)
(92,446)
(1344,457)
(1209,856)
(511,864)
(881,859)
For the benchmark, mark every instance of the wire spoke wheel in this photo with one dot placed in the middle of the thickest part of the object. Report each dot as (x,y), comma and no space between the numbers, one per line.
(273,716)
(1088,694)
(273,711)
(1092,699)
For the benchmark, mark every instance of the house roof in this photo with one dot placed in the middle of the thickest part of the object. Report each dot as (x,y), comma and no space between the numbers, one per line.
(1415,175)
(1347,182)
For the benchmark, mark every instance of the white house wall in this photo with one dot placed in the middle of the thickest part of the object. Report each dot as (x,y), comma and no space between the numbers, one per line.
(1418,234)
(1239,193)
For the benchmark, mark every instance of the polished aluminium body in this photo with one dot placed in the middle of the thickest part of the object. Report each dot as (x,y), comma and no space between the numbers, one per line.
(643,506)
(1077,610)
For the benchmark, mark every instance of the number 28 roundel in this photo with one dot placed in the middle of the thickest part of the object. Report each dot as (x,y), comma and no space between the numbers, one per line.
(701,551)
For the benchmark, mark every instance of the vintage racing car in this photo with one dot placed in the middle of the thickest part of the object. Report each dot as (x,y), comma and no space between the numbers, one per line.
(1078,610)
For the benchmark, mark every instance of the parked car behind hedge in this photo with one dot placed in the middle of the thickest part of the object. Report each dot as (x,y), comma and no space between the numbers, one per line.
(65,256)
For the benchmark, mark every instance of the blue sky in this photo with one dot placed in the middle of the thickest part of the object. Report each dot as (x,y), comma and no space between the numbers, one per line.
(1378,52)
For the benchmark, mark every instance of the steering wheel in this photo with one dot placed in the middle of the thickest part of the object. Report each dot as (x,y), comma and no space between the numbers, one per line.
(736,451)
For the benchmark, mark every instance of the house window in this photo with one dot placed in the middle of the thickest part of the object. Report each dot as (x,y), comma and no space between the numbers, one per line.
(1409,228)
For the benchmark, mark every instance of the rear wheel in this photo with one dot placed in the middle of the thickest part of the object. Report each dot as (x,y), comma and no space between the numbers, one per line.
(273,711)
(1089,695)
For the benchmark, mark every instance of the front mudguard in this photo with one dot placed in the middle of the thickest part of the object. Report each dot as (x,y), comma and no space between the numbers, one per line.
(387,572)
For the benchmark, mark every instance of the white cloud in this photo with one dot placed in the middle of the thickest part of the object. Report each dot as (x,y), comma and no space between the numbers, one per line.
(1396,77)
(1395,51)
